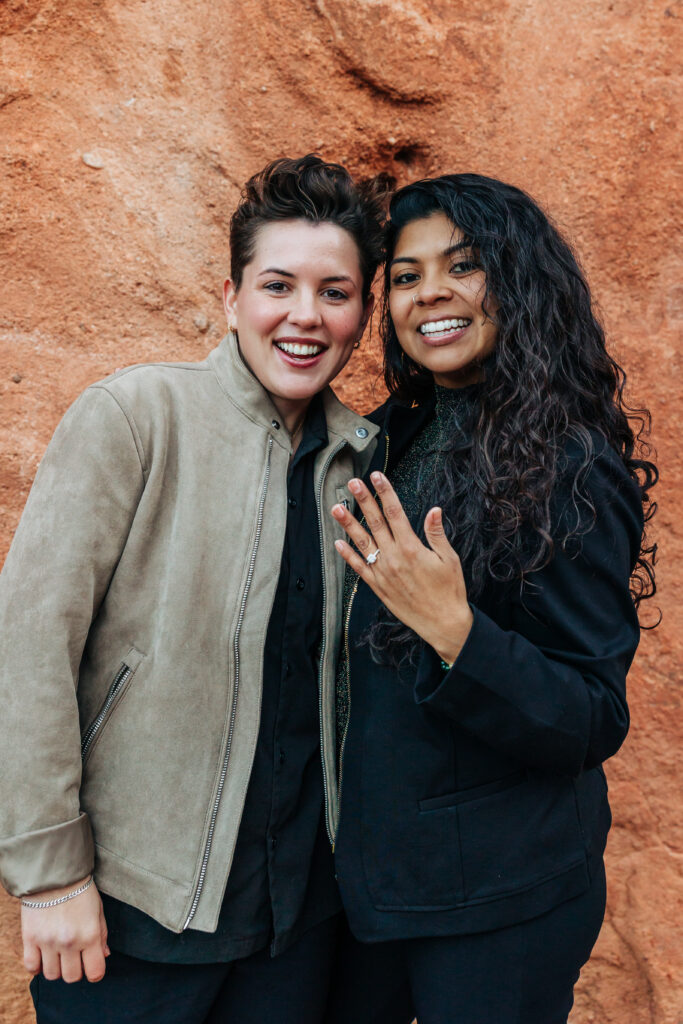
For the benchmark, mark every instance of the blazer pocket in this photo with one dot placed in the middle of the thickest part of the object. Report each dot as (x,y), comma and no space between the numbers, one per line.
(115,695)
(517,839)
(462,796)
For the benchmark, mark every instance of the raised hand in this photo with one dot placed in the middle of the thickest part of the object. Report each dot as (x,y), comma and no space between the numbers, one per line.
(422,586)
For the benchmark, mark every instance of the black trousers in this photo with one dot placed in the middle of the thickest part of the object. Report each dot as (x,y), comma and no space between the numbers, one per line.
(288,989)
(523,974)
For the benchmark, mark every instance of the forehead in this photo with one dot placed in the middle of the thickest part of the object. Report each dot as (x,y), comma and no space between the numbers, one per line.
(427,236)
(302,246)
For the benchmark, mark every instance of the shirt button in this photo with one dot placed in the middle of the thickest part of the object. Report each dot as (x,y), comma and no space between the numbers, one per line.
(276,426)
(273,842)
(361,432)
(288,670)
(292,502)
(300,583)
(282,757)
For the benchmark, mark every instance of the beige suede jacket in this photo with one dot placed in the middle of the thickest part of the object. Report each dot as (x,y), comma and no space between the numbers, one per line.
(134,604)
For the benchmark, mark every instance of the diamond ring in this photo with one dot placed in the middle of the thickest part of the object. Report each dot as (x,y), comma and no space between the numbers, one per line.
(372,557)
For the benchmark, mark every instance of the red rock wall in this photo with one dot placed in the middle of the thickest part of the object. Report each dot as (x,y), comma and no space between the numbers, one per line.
(126,127)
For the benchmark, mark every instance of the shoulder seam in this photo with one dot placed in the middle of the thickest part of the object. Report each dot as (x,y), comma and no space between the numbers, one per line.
(132,426)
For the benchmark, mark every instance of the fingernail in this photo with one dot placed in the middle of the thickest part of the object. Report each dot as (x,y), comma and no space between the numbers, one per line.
(339,545)
(354,486)
(377,478)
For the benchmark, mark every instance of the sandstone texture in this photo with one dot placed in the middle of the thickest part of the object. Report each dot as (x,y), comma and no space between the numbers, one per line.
(126,129)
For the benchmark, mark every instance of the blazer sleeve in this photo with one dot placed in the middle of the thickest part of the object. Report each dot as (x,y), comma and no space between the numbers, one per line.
(67,545)
(551,690)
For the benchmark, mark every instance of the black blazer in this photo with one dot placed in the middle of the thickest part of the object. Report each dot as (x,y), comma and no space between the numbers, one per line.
(474,799)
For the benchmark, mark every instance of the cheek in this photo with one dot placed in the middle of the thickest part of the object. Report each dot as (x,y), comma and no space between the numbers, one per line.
(400,308)
(397,306)
(257,317)
(344,325)
(478,298)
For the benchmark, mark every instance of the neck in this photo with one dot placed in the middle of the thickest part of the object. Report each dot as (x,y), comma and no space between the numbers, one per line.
(292,411)
(459,378)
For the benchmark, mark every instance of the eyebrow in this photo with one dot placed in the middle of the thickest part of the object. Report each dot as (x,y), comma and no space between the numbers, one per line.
(276,270)
(288,273)
(450,251)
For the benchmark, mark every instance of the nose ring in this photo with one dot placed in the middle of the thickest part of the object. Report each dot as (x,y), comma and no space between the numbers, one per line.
(414,300)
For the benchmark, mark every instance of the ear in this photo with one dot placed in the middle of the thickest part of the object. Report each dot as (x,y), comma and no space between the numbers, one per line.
(230,303)
(367,313)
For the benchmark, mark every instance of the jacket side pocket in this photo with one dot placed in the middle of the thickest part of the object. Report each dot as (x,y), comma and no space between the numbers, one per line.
(115,694)
(463,796)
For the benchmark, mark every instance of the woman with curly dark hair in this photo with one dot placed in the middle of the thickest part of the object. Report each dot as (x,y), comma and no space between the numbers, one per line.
(490,619)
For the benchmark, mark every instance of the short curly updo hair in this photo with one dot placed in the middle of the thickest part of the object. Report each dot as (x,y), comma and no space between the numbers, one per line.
(309,188)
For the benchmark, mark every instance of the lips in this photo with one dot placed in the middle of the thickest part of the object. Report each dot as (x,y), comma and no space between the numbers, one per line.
(432,328)
(295,348)
(443,332)
(300,352)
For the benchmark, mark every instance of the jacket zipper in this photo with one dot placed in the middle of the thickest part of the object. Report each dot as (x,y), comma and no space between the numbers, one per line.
(120,680)
(323,645)
(233,710)
(347,620)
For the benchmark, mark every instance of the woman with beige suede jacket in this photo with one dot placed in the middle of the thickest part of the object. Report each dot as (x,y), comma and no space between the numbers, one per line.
(136,596)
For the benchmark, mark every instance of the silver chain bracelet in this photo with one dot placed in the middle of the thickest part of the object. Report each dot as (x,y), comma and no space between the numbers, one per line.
(41,904)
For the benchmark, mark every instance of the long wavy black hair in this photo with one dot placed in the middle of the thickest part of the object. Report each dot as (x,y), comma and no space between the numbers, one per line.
(549,382)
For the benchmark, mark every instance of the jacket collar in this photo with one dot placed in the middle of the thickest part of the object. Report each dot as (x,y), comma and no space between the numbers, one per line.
(247,393)
(399,424)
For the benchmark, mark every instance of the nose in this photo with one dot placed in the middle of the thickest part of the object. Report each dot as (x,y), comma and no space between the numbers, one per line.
(304,311)
(433,289)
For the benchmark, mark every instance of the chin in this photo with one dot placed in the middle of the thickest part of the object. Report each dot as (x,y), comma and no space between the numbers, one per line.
(300,393)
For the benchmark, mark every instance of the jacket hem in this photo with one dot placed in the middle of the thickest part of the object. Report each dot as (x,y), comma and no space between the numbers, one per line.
(381,924)
(159,897)
(480,900)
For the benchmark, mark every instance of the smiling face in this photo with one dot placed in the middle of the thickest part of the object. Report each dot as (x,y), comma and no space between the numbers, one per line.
(299,309)
(436,301)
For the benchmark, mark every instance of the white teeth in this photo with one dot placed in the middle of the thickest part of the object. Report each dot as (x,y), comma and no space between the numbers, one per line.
(439,326)
(293,348)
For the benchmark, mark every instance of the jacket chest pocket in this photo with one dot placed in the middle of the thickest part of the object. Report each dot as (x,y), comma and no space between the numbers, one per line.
(112,700)
(345,498)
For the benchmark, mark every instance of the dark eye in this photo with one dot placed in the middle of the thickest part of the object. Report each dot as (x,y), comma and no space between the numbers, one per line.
(276,286)
(464,267)
(335,293)
(407,277)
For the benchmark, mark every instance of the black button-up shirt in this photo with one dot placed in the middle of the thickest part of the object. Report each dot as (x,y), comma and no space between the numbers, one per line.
(282,877)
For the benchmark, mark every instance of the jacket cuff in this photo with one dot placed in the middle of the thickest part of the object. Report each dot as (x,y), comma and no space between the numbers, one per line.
(48,858)
(446,692)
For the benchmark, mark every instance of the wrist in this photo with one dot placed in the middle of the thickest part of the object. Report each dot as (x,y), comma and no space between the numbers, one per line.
(450,647)
(52,897)
(57,890)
